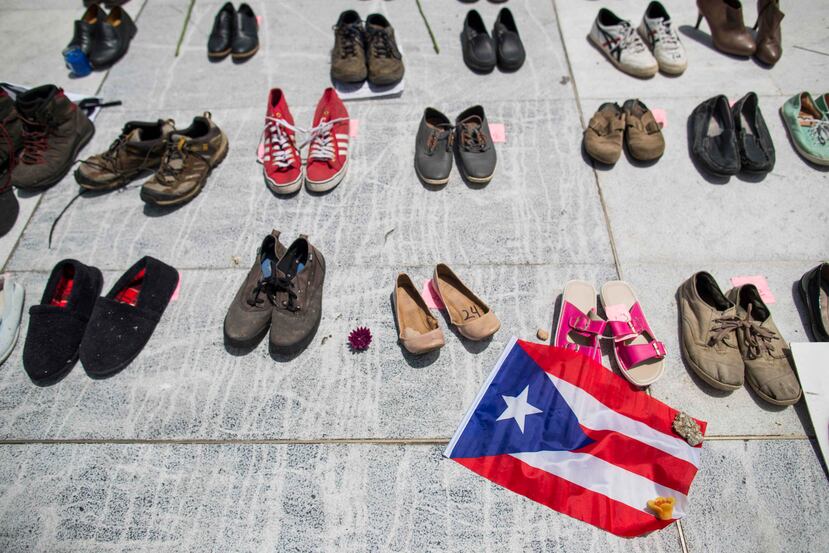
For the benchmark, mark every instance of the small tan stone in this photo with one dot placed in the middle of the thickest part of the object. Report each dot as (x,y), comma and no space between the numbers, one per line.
(543,334)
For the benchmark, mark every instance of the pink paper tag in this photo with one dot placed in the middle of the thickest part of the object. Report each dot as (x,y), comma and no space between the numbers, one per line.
(757,280)
(353,128)
(431,297)
(260,153)
(617,312)
(661,117)
(258,20)
(174,297)
(498,132)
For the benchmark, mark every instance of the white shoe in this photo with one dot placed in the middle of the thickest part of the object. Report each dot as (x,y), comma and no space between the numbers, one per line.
(11,311)
(622,46)
(659,34)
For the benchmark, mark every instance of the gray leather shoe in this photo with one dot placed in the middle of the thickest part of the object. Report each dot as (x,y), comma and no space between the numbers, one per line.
(11,310)
(433,148)
(476,151)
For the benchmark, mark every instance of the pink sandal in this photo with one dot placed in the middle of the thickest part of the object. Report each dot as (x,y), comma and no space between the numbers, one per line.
(640,356)
(579,326)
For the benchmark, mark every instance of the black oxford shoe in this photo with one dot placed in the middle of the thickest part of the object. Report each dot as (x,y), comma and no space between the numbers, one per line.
(221,37)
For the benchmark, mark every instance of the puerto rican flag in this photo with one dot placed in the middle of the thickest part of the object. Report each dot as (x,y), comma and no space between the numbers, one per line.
(562,430)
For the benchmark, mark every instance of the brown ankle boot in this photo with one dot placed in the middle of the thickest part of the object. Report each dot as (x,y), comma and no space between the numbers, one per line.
(769,43)
(728,32)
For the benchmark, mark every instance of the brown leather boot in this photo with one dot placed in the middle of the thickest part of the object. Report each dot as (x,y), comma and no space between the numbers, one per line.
(769,43)
(728,32)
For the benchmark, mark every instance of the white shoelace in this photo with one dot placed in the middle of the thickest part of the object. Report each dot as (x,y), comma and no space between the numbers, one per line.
(278,149)
(666,35)
(322,140)
(818,129)
(631,40)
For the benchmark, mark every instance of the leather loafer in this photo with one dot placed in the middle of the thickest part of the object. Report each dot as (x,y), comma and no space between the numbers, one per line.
(509,48)
(713,141)
(220,42)
(753,138)
(111,38)
(478,47)
(433,148)
(814,290)
(245,33)
(82,39)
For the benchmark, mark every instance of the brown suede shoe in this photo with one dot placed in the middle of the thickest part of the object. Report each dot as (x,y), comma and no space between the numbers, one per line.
(768,369)
(642,133)
(604,134)
(708,338)
(348,57)
(385,63)
(418,330)
(138,149)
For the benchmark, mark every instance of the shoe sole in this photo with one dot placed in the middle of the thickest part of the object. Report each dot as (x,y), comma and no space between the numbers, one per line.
(196,191)
(433,182)
(219,55)
(66,166)
(803,153)
(475,180)
(326,185)
(93,186)
(245,55)
(283,189)
(640,73)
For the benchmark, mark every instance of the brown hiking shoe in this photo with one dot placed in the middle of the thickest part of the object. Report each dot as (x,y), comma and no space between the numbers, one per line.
(348,58)
(139,148)
(190,156)
(249,314)
(604,134)
(11,137)
(385,63)
(708,336)
(54,131)
(768,369)
(642,133)
(297,297)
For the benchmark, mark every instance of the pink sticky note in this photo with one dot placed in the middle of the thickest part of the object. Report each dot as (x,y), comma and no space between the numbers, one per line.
(431,297)
(617,312)
(354,128)
(174,297)
(260,153)
(258,20)
(498,132)
(757,280)
(661,117)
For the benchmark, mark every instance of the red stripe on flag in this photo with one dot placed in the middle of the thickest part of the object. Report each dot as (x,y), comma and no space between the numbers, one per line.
(563,496)
(609,388)
(640,458)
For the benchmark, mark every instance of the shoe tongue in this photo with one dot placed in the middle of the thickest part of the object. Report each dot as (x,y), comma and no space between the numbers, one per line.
(29,103)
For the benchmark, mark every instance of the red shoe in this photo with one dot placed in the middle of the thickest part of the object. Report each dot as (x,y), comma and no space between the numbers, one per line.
(328,153)
(283,165)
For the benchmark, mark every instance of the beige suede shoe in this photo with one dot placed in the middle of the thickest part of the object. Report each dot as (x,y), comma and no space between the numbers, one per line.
(708,335)
(418,329)
(604,134)
(768,369)
(642,134)
(473,317)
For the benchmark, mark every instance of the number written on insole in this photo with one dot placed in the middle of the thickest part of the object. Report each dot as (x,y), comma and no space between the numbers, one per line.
(471,313)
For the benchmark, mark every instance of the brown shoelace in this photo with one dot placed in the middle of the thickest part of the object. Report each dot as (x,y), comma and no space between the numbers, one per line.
(441,133)
(35,141)
(758,338)
(473,138)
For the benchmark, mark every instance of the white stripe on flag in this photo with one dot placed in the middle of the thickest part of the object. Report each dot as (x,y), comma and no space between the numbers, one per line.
(597,416)
(603,478)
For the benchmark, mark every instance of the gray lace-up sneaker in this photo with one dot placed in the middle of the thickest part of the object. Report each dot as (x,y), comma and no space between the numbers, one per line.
(475,148)
(433,148)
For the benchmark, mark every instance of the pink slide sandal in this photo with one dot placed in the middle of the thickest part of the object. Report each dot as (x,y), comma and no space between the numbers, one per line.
(579,326)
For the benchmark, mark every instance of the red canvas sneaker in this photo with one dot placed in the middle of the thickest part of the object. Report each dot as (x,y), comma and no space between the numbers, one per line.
(282,164)
(328,152)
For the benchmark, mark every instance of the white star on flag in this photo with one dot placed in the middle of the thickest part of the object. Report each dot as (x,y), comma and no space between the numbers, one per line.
(518,408)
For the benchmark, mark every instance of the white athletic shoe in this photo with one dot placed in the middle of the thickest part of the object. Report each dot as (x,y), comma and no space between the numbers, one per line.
(622,46)
(659,34)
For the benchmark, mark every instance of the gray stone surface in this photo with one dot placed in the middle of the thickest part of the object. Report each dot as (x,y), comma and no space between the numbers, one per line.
(198,498)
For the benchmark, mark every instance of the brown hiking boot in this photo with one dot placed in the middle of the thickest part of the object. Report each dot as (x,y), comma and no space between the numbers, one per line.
(385,64)
(249,314)
(54,131)
(138,149)
(11,140)
(768,369)
(642,133)
(604,134)
(297,297)
(190,156)
(707,332)
(348,58)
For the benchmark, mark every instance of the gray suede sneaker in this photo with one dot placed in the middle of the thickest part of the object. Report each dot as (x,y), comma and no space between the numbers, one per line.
(433,148)
(475,148)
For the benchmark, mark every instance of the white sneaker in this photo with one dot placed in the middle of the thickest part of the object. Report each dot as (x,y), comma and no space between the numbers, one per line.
(659,34)
(622,46)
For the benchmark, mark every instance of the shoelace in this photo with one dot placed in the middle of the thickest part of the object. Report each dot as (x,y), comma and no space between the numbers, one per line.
(35,141)
(472,137)
(174,160)
(437,135)
(757,337)
(380,42)
(261,286)
(350,35)
(630,39)
(278,150)
(665,34)
(286,285)
(818,129)
(322,140)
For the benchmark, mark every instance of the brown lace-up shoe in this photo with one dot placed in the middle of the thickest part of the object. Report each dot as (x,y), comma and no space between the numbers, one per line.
(297,297)
(348,58)
(190,156)
(138,149)
(708,336)
(604,134)
(768,369)
(385,63)
(54,131)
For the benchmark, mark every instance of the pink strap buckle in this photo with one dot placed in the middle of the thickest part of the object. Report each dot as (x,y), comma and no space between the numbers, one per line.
(585,325)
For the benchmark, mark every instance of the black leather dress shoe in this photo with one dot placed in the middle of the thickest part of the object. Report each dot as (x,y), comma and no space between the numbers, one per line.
(476,152)
(753,138)
(245,33)
(433,148)
(713,140)
(814,290)
(220,42)
(111,38)
(478,46)
(82,39)
(508,43)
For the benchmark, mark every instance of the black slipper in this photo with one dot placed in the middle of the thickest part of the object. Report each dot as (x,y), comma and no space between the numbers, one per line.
(57,325)
(124,320)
